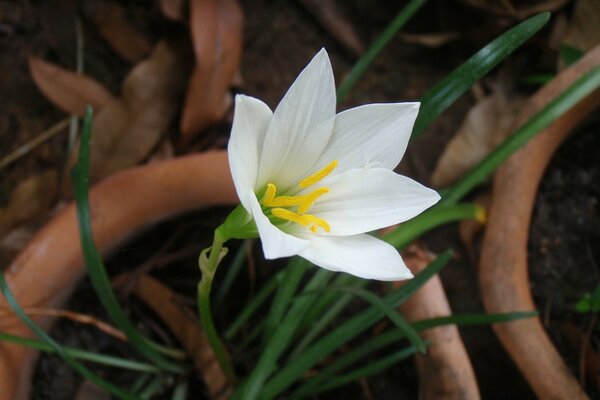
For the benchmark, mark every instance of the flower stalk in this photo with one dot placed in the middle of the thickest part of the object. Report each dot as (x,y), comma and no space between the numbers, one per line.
(209,261)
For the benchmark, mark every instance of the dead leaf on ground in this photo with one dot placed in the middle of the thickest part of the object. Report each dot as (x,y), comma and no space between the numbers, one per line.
(112,23)
(173,9)
(583,31)
(216,28)
(127,129)
(508,9)
(487,124)
(430,39)
(335,22)
(30,199)
(185,326)
(69,91)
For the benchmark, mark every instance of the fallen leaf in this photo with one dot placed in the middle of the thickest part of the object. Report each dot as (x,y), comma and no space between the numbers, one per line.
(88,390)
(173,9)
(185,326)
(127,129)
(112,23)
(30,199)
(216,28)
(486,125)
(69,91)
(430,39)
(583,31)
(335,22)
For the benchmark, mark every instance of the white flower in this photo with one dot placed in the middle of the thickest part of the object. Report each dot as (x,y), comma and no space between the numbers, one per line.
(314,182)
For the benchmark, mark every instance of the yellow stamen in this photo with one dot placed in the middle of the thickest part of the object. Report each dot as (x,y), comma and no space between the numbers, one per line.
(310,199)
(269,194)
(285,201)
(305,219)
(317,176)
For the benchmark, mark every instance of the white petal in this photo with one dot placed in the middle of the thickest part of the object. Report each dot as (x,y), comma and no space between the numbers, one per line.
(301,125)
(371,134)
(250,123)
(360,255)
(275,243)
(368,199)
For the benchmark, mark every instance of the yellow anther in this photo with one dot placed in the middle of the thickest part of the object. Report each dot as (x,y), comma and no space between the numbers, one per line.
(304,220)
(317,176)
(310,199)
(269,194)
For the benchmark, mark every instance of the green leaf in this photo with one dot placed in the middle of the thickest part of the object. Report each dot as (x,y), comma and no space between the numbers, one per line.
(390,312)
(589,302)
(569,54)
(432,218)
(438,99)
(278,342)
(78,354)
(93,261)
(76,365)
(370,369)
(295,369)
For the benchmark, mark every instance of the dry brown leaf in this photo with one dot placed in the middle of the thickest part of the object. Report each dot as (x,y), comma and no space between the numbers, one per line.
(583,31)
(430,39)
(69,91)
(486,125)
(30,199)
(127,129)
(112,23)
(335,22)
(173,9)
(185,326)
(216,28)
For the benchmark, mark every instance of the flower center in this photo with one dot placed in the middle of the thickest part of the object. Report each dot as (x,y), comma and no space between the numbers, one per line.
(301,203)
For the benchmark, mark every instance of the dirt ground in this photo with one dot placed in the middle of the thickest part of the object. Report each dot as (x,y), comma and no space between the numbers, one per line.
(279,37)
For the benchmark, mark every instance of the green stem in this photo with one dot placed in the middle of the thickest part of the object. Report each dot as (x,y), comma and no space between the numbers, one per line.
(379,44)
(208,266)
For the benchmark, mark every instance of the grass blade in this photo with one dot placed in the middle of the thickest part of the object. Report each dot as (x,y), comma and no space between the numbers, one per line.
(347,331)
(394,335)
(76,365)
(93,261)
(438,99)
(378,45)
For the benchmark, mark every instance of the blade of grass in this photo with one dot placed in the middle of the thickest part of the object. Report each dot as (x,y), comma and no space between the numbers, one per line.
(391,313)
(432,218)
(232,272)
(285,292)
(276,345)
(78,354)
(257,300)
(76,365)
(346,331)
(394,335)
(557,107)
(438,99)
(324,311)
(93,261)
(372,368)
(378,45)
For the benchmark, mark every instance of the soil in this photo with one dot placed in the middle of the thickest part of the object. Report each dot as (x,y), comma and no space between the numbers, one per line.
(564,256)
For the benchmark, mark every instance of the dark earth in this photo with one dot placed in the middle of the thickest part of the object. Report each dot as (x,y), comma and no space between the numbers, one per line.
(279,38)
